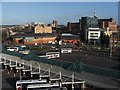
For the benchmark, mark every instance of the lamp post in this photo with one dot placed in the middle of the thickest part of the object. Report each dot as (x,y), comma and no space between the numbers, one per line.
(20,80)
(111,47)
(73,81)
(42,35)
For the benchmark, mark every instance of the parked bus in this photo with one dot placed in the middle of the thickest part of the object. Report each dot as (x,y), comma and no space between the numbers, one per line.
(53,86)
(12,48)
(50,55)
(66,50)
(22,85)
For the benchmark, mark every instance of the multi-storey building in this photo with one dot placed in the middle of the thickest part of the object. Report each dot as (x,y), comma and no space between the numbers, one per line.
(74,27)
(109,25)
(115,39)
(90,32)
(42,29)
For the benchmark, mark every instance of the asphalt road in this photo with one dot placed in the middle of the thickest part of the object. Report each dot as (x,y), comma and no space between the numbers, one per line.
(92,59)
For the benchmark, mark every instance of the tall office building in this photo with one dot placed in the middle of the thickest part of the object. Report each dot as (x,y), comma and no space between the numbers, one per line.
(90,31)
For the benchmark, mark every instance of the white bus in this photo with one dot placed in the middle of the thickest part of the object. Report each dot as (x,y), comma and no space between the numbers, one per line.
(50,55)
(22,85)
(66,50)
(12,48)
(53,86)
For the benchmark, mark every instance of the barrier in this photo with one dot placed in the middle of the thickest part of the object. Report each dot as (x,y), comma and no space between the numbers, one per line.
(78,66)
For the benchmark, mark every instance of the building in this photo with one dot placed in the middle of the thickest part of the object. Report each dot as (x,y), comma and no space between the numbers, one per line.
(94,35)
(86,24)
(108,24)
(34,38)
(74,27)
(69,38)
(42,29)
(115,39)
(54,23)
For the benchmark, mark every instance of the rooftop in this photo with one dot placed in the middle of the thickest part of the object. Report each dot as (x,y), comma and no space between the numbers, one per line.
(35,35)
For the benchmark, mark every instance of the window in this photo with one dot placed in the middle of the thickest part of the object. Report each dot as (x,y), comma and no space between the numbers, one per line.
(36,37)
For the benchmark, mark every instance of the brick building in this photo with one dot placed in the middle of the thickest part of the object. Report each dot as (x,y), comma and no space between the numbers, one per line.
(108,24)
(74,27)
(115,39)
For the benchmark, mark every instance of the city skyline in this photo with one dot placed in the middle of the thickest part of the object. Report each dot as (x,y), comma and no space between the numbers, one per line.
(26,12)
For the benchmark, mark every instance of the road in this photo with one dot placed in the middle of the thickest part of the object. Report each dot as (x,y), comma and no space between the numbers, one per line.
(91,59)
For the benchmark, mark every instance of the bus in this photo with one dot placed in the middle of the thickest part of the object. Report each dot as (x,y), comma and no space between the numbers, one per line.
(66,50)
(53,86)
(22,84)
(50,55)
(12,48)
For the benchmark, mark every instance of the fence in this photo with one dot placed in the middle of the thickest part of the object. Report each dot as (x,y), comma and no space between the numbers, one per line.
(78,66)
(81,67)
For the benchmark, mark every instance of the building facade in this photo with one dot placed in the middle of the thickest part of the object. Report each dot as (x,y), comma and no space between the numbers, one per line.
(54,23)
(42,29)
(34,38)
(109,25)
(86,24)
(94,35)
(115,39)
(74,27)
(69,38)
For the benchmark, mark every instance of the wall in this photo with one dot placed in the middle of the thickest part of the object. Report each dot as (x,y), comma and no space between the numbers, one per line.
(39,40)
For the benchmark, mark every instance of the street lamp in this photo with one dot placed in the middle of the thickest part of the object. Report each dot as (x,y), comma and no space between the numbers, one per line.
(111,47)
(42,36)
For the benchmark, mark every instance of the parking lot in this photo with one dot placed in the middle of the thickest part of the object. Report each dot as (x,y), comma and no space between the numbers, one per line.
(92,59)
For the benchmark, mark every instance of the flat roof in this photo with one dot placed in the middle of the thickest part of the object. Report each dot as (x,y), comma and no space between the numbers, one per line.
(36,35)
(43,85)
(31,81)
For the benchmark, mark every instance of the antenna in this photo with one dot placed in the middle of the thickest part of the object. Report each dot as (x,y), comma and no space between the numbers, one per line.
(94,13)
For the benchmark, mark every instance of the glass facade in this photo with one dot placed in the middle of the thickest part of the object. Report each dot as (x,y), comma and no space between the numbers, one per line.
(90,22)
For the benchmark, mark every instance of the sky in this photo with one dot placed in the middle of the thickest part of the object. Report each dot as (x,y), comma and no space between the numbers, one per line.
(46,12)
